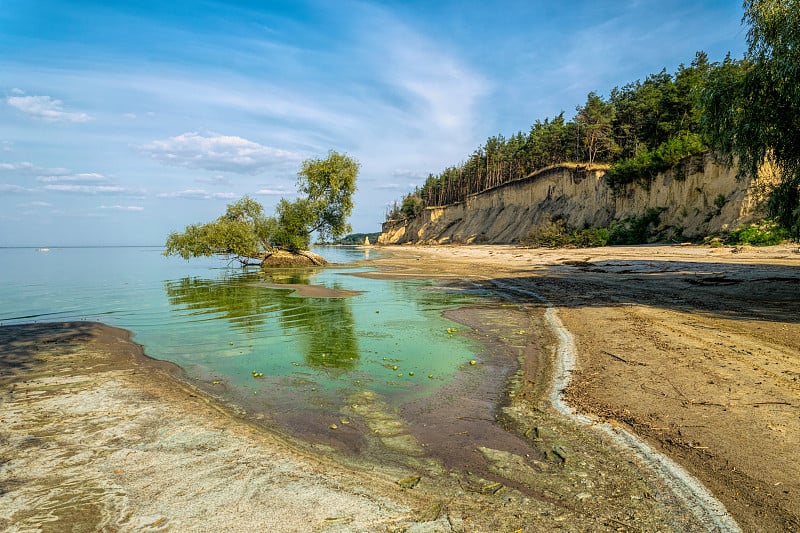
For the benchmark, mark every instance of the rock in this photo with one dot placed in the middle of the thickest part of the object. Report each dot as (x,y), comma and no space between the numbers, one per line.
(491,488)
(561,453)
(286,259)
(432,513)
(409,482)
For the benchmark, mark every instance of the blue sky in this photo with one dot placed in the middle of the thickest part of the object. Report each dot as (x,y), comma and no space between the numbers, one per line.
(123,121)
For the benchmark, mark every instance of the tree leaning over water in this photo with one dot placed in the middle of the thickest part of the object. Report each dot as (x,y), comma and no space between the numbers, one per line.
(752,109)
(245,233)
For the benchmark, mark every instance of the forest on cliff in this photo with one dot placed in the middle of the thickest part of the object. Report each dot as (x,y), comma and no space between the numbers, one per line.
(746,110)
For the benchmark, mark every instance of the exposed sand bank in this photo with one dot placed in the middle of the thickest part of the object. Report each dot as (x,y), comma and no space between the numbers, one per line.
(311,291)
(694,348)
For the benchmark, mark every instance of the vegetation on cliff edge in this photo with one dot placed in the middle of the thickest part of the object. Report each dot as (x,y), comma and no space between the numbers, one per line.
(641,129)
(746,110)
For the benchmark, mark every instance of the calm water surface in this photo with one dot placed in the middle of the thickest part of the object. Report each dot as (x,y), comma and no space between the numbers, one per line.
(222,324)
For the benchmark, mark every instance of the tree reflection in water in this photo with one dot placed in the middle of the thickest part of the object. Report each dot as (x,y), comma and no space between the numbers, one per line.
(323,329)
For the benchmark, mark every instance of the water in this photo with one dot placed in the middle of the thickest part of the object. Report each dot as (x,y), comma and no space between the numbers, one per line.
(222,324)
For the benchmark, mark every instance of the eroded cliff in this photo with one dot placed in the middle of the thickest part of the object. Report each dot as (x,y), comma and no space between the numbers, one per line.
(703,197)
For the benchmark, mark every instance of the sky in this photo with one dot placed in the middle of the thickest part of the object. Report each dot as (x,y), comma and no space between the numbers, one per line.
(122,121)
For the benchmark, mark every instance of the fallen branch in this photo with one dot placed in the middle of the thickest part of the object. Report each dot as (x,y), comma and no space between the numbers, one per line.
(615,356)
(703,402)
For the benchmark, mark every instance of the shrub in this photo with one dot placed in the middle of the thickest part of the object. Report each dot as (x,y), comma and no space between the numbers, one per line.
(644,166)
(592,237)
(555,234)
(767,233)
(638,169)
(552,234)
(635,230)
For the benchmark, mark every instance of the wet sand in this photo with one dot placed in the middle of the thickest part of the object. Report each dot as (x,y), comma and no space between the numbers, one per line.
(311,291)
(693,348)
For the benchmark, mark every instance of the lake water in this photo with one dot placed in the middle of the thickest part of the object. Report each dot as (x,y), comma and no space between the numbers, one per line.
(222,325)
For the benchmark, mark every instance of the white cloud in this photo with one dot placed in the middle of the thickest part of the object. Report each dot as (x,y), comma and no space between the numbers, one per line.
(198,194)
(64,181)
(86,189)
(280,191)
(214,180)
(122,207)
(83,178)
(443,92)
(129,116)
(6,146)
(37,204)
(45,108)
(16,166)
(401,179)
(217,152)
(17,90)
(390,186)
(10,188)
(28,168)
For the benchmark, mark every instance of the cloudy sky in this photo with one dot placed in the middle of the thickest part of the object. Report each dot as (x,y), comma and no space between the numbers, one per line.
(121,121)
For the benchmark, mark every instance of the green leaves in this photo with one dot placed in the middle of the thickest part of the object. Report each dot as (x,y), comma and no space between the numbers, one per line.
(246,233)
(752,106)
(294,221)
(644,166)
(329,185)
(642,128)
(412,205)
(240,232)
(594,122)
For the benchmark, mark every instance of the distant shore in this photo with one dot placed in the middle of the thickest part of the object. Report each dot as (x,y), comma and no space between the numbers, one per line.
(696,349)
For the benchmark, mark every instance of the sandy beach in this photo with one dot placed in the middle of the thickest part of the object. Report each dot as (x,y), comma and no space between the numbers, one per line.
(694,349)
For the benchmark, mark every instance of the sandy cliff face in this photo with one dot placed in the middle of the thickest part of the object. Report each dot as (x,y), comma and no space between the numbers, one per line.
(709,199)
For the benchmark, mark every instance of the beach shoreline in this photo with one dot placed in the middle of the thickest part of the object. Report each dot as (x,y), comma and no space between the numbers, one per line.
(153,452)
(693,348)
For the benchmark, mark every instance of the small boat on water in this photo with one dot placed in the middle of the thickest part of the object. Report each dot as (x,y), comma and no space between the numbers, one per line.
(43,249)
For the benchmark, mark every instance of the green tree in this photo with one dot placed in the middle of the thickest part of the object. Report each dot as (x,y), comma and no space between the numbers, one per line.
(242,232)
(245,233)
(412,205)
(328,185)
(595,121)
(294,218)
(752,107)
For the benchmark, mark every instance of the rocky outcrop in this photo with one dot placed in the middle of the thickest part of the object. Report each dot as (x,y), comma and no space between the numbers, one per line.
(286,259)
(701,198)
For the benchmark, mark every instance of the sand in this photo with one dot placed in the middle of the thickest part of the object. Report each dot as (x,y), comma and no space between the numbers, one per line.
(696,349)
(693,349)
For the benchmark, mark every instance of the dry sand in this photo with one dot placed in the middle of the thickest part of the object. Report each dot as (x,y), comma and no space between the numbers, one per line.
(695,349)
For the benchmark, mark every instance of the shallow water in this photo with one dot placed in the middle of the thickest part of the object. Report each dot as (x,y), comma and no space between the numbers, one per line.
(224,325)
